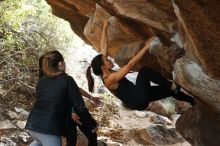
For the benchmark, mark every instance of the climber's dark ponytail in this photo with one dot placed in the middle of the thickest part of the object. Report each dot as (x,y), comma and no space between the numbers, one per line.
(40,66)
(96,65)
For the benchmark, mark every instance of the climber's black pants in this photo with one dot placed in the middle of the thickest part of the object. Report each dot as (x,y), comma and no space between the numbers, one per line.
(163,90)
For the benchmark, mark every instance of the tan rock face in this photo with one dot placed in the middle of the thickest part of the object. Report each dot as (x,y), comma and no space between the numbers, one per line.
(185,27)
(200,21)
(119,34)
(123,41)
(157,14)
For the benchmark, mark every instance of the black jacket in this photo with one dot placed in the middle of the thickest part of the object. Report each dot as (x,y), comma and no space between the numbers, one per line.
(55,95)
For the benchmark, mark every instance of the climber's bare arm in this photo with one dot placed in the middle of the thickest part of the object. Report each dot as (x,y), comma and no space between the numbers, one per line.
(117,76)
(104,39)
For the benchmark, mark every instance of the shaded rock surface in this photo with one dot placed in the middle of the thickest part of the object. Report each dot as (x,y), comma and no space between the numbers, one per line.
(202,127)
(206,89)
(188,28)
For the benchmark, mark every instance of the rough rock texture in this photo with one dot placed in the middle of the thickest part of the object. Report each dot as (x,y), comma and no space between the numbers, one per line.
(188,28)
(143,128)
(202,127)
(200,22)
(206,89)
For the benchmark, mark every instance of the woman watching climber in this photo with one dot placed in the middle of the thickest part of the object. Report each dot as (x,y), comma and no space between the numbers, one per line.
(57,94)
(69,130)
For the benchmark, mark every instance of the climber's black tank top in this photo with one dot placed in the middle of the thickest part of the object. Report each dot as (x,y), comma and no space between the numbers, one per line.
(132,96)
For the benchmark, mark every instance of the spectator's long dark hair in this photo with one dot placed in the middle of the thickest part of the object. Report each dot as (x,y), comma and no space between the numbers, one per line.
(96,65)
(40,66)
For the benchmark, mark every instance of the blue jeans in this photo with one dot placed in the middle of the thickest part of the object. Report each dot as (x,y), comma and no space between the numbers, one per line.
(41,139)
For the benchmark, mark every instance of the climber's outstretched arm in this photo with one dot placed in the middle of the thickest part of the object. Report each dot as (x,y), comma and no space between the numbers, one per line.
(104,39)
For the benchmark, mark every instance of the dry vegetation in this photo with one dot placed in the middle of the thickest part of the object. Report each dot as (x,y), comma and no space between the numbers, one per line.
(27,30)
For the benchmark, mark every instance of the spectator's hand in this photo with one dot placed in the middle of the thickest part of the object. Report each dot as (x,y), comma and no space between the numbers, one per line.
(95,129)
(76,118)
(97,101)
